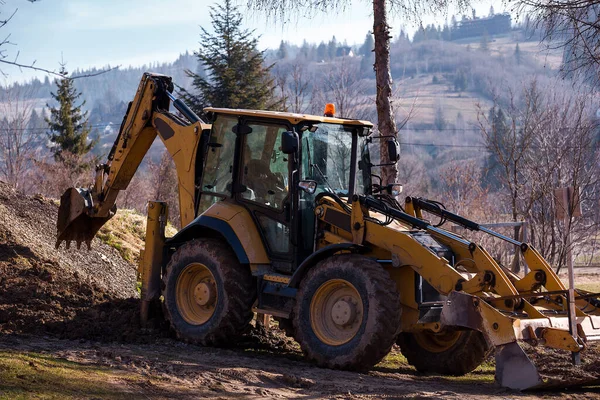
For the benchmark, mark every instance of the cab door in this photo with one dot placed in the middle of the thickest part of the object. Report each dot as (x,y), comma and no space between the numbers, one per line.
(264,179)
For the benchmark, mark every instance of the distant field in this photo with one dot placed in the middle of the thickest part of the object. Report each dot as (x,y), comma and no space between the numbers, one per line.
(430,96)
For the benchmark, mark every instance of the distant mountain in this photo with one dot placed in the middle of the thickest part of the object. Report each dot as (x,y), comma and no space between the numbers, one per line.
(448,79)
(114,86)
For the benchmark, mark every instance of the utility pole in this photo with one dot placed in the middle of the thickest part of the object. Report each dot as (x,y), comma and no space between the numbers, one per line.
(568,206)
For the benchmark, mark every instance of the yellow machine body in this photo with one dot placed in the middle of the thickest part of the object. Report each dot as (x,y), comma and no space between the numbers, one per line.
(442,291)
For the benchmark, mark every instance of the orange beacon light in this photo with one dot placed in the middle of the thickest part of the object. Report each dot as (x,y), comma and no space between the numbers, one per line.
(329,110)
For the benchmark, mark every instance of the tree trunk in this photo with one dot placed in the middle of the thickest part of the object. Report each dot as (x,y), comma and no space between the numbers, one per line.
(386,122)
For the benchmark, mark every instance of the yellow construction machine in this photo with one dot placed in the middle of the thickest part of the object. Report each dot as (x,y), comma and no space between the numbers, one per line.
(281,215)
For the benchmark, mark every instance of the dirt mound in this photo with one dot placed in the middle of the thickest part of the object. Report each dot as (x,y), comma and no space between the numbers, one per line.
(557,370)
(41,287)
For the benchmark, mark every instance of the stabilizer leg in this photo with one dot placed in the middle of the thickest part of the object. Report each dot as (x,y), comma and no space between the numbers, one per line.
(151,258)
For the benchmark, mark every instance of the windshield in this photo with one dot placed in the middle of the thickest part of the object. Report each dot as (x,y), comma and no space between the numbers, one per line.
(326,158)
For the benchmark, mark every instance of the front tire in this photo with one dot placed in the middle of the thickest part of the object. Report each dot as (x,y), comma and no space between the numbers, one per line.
(448,353)
(347,313)
(208,294)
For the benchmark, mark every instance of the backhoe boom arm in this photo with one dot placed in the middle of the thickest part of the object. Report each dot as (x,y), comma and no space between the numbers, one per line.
(84,211)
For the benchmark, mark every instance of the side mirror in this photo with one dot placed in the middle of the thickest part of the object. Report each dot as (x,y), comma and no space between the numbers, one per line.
(309,187)
(289,142)
(394,189)
(393,148)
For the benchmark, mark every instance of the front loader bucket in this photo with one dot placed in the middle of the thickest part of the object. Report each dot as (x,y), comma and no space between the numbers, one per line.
(525,349)
(74,220)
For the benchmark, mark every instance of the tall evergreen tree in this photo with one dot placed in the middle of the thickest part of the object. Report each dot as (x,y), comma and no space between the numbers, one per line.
(304,50)
(518,56)
(484,43)
(36,122)
(322,51)
(236,76)
(368,46)
(282,53)
(332,48)
(501,130)
(68,124)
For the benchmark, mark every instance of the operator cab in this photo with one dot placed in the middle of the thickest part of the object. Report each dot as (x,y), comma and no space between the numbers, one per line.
(248,161)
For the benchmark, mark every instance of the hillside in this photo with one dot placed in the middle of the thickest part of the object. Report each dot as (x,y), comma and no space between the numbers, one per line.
(443,81)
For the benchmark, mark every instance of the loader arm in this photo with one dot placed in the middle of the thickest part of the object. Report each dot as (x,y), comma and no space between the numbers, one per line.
(478,293)
(83,211)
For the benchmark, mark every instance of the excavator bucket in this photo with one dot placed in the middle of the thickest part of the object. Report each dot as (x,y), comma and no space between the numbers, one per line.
(75,222)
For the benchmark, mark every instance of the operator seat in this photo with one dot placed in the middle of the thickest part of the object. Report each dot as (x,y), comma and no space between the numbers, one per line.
(260,179)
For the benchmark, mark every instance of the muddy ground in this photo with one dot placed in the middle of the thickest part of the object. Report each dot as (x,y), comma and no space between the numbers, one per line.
(81,307)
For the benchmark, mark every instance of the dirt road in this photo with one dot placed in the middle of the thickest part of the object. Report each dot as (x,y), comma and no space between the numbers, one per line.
(69,329)
(170,369)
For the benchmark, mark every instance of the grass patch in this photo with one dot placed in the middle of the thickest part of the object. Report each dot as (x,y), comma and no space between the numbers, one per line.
(396,362)
(126,232)
(485,373)
(39,376)
(593,287)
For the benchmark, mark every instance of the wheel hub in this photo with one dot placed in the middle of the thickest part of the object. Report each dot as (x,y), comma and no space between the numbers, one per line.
(343,312)
(204,293)
(336,312)
(196,294)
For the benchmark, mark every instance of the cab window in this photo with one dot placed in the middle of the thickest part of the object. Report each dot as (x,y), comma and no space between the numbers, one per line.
(265,167)
(218,170)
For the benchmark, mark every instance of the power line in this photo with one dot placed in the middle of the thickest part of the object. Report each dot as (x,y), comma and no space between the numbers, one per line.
(48,129)
(467,146)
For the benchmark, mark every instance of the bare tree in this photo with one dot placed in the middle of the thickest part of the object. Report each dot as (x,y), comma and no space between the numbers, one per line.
(413,174)
(19,141)
(573,25)
(565,155)
(165,185)
(509,137)
(342,85)
(7,59)
(410,9)
(292,85)
(298,88)
(545,140)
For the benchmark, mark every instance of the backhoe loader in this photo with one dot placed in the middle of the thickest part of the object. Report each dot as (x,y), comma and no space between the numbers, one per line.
(281,215)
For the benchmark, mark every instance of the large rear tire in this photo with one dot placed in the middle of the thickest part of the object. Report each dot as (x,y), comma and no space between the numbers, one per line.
(347,313)
(208,294)
(450,353)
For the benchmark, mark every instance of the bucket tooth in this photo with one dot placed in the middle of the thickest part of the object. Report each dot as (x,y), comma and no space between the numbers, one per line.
(514,369)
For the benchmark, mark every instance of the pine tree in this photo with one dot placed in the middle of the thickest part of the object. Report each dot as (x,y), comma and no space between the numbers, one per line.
(304,50)
(518,54)
(500,130)
(332,48)
(439,119)
(321,52)
(484,43)
(282,53)
(460,80)
(36,122)
(454,22)
(236,77)
(68,124)
(368,46)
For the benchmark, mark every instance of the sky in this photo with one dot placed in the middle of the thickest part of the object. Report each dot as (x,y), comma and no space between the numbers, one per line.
(96,33)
